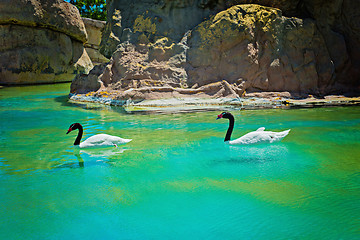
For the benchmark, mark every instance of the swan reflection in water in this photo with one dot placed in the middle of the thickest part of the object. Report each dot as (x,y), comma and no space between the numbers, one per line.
(259,153)
(253,154)
(90,157)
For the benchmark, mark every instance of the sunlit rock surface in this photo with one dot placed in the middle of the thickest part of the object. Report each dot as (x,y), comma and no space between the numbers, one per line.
(94,30)
(41,42)
(257,48)
(215,49)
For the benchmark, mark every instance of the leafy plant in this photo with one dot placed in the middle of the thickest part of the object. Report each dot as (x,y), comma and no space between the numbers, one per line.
(95,9)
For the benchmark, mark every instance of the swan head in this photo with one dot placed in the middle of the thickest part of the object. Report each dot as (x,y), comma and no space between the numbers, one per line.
(74,126)
(224,115)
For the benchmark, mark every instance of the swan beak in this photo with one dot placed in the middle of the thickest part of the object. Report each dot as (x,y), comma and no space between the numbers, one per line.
(69,130)
(219,116)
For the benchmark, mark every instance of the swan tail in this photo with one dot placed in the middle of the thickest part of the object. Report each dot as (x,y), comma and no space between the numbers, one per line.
(127,140)
(121,141)
(283,134)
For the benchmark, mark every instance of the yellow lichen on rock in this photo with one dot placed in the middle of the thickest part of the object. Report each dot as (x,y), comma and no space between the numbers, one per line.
(116,16)
(90,94)
(237,19)
(162,45)
(104,94)
(142,24)
(141,66)
(223,25)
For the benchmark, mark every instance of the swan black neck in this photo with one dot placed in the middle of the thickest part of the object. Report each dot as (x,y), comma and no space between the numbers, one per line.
(79,136)
(231,127)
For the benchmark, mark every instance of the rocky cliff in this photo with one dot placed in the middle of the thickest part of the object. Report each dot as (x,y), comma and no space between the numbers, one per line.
(41,41)
(94,29)
(224,48)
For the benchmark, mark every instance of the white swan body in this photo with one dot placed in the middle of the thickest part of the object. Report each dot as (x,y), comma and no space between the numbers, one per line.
(103,140)
(99,140)
(259,136)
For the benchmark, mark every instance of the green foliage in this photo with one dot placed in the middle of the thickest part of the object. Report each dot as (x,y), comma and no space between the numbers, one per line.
(95,9)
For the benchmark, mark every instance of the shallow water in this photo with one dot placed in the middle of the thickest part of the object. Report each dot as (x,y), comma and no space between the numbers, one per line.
(176,179)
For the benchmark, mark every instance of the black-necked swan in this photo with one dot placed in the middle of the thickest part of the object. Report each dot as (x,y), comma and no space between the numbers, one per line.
(258,136)
(99,140)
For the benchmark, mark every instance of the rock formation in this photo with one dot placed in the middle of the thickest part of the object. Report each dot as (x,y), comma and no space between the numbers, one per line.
(259,49)
(41,41)
(224,48)
(338,23)
(94,30)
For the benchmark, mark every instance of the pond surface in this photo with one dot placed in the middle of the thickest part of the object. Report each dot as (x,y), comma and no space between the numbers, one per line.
(176,179)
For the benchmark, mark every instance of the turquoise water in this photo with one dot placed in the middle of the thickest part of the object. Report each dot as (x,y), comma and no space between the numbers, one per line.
(176,179)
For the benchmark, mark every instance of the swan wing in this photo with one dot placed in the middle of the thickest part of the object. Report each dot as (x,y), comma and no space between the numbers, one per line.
(261,129)
(260,137)
(250,138)
(103,140)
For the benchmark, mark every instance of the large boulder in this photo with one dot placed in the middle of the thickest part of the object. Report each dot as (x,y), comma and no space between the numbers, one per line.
(259,49)
(41,42)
